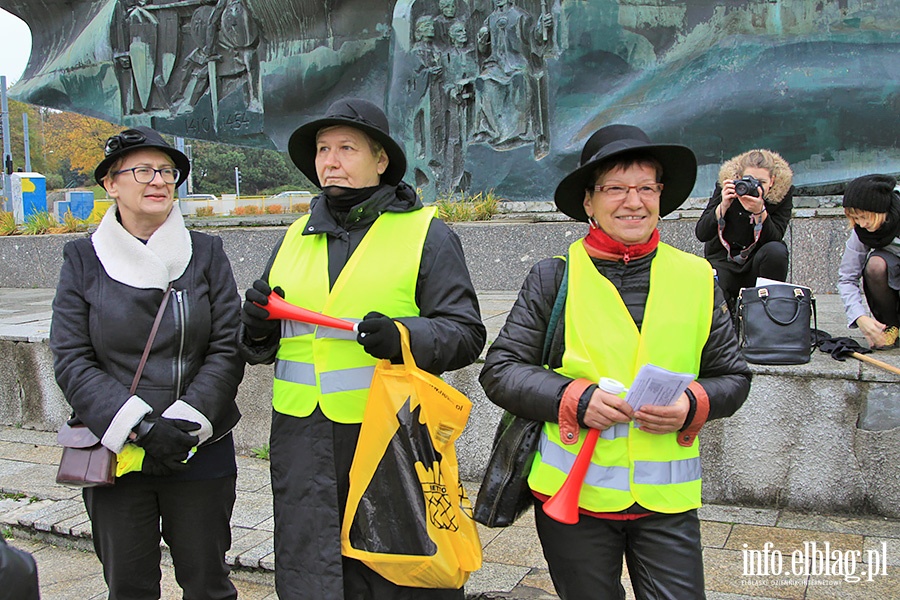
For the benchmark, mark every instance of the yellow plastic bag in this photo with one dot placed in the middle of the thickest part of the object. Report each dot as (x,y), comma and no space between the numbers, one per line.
(408,518)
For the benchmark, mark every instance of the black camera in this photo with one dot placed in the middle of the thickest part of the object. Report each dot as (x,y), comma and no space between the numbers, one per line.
(748,185)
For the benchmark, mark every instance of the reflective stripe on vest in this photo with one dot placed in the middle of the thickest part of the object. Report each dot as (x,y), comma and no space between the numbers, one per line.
(601,340)
(325,366)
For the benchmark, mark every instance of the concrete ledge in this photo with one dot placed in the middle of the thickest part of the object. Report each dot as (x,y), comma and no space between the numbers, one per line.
(796,443)
(499,253)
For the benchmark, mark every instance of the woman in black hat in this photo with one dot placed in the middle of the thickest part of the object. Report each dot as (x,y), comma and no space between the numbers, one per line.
(370,252)
(173,434)
(629,300)
(872,205)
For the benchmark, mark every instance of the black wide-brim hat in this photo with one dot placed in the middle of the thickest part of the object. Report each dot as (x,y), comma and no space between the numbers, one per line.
(135,139)
(352,112)
(678,162)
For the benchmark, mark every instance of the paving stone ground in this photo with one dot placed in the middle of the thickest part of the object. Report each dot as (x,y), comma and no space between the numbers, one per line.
(864,552)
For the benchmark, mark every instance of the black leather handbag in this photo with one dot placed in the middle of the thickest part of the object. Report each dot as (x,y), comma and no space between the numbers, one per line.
(504,494)
(775,324)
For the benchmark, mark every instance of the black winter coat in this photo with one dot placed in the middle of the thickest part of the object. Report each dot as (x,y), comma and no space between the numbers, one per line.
(448,333)
(514,379)
(311,456)
(738,230)
(100,327)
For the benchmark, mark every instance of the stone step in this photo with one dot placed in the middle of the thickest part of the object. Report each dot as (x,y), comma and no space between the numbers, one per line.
(802,428)
(49,521)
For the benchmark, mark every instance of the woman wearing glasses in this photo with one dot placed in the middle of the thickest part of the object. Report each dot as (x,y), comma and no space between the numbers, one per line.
(745,220)
(176,467)
(629,300)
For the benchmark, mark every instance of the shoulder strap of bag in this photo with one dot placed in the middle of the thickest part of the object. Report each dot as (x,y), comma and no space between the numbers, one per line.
(557,310)
(153,330)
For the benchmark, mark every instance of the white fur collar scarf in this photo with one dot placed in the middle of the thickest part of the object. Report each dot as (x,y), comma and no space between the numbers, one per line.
(153,265)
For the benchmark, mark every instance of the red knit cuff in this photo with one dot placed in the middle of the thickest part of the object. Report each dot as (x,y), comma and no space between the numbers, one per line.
(686,438)
(568,411)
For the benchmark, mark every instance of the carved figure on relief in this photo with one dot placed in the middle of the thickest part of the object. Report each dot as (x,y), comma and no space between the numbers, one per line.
(511,90)
(425,87)
(145,42)
(225,58)
(461,68)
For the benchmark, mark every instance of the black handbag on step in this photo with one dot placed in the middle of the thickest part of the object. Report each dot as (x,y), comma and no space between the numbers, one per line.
(504,494)
(774,324)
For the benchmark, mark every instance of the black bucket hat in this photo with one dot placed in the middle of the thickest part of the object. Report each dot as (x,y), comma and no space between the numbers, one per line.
(353,112)
(135,139)
(678,162)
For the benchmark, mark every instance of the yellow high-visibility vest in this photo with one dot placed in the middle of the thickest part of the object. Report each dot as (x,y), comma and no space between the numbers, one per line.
(325,366)
(602,340)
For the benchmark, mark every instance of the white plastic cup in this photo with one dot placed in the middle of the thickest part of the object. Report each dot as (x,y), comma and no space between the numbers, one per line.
(612,386)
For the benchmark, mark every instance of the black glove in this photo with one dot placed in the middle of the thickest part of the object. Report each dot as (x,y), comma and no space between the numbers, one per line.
(162,466)
(169,438)
(379,336)
(255,318)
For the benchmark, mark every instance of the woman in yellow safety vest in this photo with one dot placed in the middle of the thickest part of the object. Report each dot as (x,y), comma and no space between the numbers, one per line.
(630,300)
(368,252)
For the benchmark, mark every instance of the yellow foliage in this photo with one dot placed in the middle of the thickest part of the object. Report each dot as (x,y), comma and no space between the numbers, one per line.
(78,138)
(8,224)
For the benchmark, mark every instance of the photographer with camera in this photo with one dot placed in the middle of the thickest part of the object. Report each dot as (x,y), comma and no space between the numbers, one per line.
(744,223)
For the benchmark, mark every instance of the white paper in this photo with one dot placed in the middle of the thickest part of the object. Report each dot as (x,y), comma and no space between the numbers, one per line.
(657,386)
(763,282)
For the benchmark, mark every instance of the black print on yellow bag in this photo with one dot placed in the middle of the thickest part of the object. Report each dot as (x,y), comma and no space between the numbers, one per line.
(408,518)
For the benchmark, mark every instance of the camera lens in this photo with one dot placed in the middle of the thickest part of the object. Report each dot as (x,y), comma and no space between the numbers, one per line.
(747,186)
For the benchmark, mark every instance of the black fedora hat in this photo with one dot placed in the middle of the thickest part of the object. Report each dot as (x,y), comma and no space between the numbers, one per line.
(135,139)
(678,162)
(352,112)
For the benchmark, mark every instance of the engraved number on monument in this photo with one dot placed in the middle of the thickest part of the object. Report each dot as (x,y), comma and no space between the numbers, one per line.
(237,121)
(203,125)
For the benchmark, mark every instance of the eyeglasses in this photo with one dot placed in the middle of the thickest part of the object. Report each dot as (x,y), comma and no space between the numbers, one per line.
(619,191)
(146,174)
(130,137)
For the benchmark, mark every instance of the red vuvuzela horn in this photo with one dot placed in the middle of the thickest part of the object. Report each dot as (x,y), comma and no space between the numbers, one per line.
(563,505)
(279,308)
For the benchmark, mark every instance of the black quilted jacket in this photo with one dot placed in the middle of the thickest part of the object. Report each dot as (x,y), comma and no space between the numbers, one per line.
(514,379)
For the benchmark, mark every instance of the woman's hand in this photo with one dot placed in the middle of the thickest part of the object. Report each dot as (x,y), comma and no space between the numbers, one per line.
(606,409)
(663,419)
(754,204)
(728,196)
(873,330)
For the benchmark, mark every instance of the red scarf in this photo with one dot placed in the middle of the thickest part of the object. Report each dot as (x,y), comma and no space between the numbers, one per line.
(600,245)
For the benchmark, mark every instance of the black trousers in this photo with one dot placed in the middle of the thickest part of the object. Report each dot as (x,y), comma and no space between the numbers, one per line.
(195,515)
(770,261)
(663,554)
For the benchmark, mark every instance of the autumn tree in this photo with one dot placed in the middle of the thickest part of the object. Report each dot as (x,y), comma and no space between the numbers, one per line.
(66,148)
(78,140)
(17,136)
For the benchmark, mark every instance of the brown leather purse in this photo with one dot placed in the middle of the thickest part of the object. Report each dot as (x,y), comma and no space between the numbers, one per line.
(85,462)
